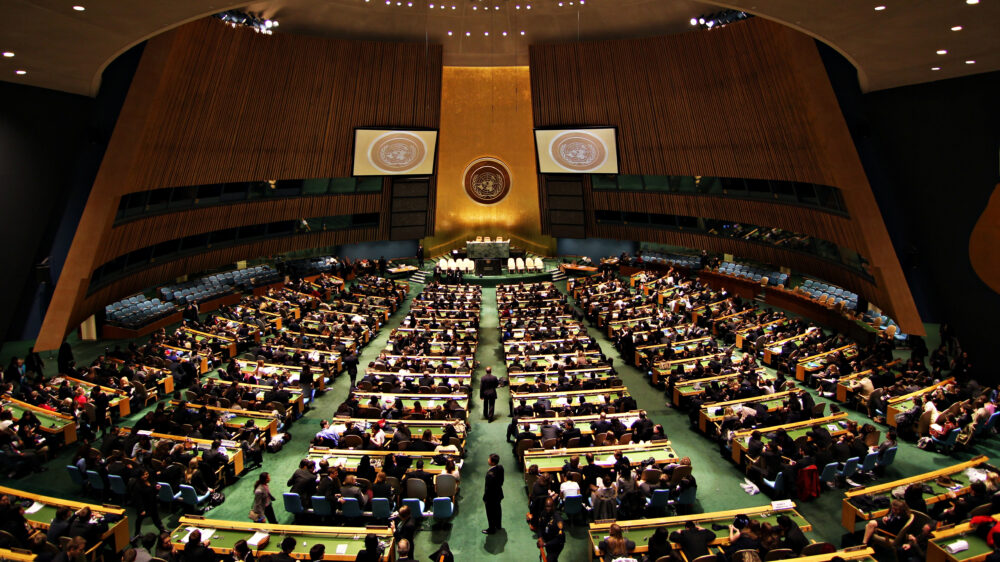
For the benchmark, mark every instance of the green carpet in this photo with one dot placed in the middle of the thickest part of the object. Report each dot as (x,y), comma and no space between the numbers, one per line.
(718,479)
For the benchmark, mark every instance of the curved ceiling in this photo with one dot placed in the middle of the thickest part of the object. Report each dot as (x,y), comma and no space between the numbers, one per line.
(65,49)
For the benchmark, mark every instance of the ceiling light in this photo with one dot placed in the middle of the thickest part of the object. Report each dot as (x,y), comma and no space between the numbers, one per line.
(504,34)
(79,8)
(518,7)
(879,8)
(942,51)
(8,54)
(972,2)
(486,33)
(935,68)
(560,3)
(522,32)
(529,6)
(694,21)
(957,28)
(449,34)
(496,7)
(468,33)
(432,5)
(475,8)
(20,72)
(409,4)
(452,6)
(970,62)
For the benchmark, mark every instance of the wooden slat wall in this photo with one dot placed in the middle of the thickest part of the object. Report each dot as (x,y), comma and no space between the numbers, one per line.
(835,228)
(212,104)
(151,231)
(751,100)
(721,103)
(798,261)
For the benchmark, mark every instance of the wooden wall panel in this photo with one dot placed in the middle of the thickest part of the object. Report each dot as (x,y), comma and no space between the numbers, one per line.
(212,104)
(161,228)
(750,100)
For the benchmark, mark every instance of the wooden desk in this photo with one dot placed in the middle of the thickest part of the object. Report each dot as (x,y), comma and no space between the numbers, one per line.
(899,404)
(117,398)
(571,397)
(43,517)
(349,459)
(265,421)
(226,342)
(795,430)
(552,460)
(978,548)
(234,454)
(350,540)
(640,530)
(850,514)
(773,349)
(816,362)
(54,423)
(767,327)
(713,412)
(694,387)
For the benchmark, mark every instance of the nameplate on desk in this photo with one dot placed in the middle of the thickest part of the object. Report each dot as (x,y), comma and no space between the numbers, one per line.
(782,504)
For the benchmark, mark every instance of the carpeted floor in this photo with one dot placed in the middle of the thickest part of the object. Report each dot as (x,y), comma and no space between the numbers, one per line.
(718,479)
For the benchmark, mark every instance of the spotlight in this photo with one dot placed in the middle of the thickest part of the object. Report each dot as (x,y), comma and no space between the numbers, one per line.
(942,51)
(970,62)
(79,8)
(694,21)
(935,68)
(20,72)
(957,28)
(8,54)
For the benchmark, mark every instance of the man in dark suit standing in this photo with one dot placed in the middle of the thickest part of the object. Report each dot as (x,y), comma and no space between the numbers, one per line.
(488,392)
(351,364)
(493,495)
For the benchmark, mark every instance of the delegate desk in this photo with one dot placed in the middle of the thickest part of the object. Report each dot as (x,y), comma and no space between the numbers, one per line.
(164,380)
(662,369)
(978,549)
(295,404)
(774,349)
(416,427)
(427,401)
(117,398)
(41,513)
(689,345)
(794,430)
(266,422)
(53,423)
(817,362)
(851,513)
(844,382)
(233,452)
(175,353)
(767,328)
(342,543)
(694,387)
(224,342)
(552,460)
(715,411)
(570,397)
(517,378)
(899,404)
(349,459)
(582,422)
(640,530)
(294,372)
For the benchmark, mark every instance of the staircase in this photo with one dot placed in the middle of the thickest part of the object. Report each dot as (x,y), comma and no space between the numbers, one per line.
(558,275)
(419,277)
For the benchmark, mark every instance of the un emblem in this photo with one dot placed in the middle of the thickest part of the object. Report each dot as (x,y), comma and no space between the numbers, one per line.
(578,151)
(487,180)
(397,152)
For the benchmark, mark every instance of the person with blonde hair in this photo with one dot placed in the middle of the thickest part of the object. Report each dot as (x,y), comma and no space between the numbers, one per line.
(616,545)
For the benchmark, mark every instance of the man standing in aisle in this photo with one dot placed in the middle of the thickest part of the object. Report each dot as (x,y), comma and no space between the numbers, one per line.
(488,392)
(493,495)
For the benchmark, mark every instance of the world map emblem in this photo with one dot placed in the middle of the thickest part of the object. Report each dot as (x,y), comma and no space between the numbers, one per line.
(397,152)
(578,151)
(487,180)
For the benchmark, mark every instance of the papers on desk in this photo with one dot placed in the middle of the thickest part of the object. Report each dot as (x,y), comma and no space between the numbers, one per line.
(957,546)
(144,432)
(35,507)
(782,504)
(205,534)
(258,539)
(342,548)
(832,427)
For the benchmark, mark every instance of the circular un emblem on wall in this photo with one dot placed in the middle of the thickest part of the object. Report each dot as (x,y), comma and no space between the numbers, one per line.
(487,180)
(578,151)
(397,152)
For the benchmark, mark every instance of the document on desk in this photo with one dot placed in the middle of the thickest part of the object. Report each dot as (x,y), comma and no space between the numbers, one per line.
(35,507)
(258,539)
(342,548)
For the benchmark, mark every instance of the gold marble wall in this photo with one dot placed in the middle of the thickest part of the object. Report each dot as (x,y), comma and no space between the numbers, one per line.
(486,112)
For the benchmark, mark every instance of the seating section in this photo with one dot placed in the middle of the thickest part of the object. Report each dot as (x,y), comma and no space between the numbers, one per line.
(137,310)
(219,284)
(753,273)
(825,292)
(680,260)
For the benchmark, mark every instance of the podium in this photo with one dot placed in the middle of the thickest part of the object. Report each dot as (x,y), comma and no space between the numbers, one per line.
(489,266)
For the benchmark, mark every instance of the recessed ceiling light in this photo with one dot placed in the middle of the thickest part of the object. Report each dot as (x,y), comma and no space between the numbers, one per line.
(468,33)
(529,6)
(486,33)
(972,2)
(452,6)
(518,7)
(935,68)
(449,34)
(20,72)
(970,62)
(879,8)
(409,4)
(942,51)
(432,5)
(957,28)
(79,8)
(475,8)
(504,34)
(8,54)
(522,32)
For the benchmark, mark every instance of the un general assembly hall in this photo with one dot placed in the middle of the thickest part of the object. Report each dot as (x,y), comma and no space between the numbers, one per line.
(515,280)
